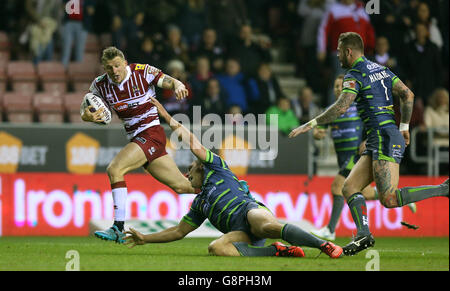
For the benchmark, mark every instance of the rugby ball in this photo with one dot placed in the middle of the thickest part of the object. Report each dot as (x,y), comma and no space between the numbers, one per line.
(97,103)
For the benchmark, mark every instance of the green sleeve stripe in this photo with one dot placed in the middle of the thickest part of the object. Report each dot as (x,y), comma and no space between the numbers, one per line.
(208,155)
(395,80)
(369,96)
(208,176)
(366,88)
(190,222)
(347,119)
(348,90)
(385,112)
(219,182)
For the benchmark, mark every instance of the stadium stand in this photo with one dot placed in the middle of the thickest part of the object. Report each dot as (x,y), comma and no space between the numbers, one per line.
(22,76)
(18,107)
(81,75)
(48,108)
(72,103)
(52,77)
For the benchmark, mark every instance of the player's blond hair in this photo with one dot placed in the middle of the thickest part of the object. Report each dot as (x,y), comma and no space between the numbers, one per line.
(110,53)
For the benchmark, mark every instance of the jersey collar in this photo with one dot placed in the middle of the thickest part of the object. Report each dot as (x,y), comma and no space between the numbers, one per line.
(360,59)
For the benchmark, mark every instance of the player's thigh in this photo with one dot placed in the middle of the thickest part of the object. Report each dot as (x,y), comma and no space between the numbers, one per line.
(263,224)
(359,177)
(337,184)
(223,246)
(129,158)
(386,176)
(166,171)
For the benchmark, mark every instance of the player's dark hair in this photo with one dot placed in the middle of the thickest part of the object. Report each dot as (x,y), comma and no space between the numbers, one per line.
(110,53)
(351,40)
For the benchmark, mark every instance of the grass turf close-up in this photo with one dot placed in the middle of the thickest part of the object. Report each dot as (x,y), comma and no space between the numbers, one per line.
(190,254)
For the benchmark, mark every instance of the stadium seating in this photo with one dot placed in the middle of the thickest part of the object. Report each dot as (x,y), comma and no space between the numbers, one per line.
(23,77)
(48,108)
(18,107)
(72,102)
(81,75)
(3,79)
(5,47)
(52,76)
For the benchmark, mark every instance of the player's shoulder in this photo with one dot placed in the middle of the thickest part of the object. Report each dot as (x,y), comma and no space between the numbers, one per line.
(101,79)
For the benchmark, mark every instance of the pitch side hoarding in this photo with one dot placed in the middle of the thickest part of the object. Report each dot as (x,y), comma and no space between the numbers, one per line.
(61,204)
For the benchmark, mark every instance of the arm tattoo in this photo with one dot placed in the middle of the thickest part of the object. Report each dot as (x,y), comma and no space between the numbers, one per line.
(337,109)
(168,83)
(406,101)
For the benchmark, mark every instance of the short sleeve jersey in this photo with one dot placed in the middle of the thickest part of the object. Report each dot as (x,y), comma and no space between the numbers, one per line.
(220,198)
(372,83)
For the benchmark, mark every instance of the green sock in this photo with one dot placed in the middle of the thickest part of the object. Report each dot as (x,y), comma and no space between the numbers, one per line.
(408,195)
(338,204)
(358,209)
(247,250)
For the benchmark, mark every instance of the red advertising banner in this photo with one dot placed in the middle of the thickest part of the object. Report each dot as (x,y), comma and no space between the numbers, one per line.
(60,204)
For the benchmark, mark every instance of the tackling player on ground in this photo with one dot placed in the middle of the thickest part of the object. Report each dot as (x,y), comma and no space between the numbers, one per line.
(245,222)
(373,87)
(127,89)
(347,132)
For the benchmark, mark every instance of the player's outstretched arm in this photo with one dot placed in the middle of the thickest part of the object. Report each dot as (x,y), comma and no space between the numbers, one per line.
(406,97)
(183,133)
(178,232)
(334,111)
(170,83)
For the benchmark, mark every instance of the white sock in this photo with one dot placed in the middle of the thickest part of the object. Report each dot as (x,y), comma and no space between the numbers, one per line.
(120,203)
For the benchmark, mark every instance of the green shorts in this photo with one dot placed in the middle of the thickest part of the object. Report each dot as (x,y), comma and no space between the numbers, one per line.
(385,144)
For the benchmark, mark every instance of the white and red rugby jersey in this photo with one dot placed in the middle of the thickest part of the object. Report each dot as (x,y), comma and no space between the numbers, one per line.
(131,98)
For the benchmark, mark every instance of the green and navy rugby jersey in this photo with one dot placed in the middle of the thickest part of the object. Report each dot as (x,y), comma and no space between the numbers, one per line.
(220,198)
(372,83)
(347,131)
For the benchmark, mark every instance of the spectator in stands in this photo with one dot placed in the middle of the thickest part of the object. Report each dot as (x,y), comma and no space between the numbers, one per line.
(213,99)
(311,13)
(239,88)
(43,16)
(286,116)
(128,22)
(250,51)
(423,16)
(343,16)
(226,17)
(269,90)
(146,52)
(422,64)
(210,47)
(394,23)
(201,76)
(75,31)
(234,115)
(383,57)
(193,20)
(176,69)
(175,47)
(304,107)
(436,116)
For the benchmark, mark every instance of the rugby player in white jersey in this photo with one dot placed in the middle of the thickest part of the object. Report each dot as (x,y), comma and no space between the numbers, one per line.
(126,89)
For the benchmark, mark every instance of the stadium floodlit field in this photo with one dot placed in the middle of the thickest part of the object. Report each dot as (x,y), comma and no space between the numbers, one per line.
(190,254)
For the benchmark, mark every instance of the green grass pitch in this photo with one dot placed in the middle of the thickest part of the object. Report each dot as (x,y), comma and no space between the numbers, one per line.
(190,254)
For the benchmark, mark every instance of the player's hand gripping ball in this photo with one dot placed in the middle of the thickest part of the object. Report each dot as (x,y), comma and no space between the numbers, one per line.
(96,104)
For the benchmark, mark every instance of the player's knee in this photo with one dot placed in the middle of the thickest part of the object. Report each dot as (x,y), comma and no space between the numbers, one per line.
(388,200)
(336,188)
(215,248)
(114,172)
(347,190)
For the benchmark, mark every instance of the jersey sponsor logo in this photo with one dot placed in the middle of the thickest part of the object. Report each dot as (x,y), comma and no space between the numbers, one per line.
(373,66)
(139,67)
(350,84)
(141,139)
(124,106)
(151,151)
(378,76)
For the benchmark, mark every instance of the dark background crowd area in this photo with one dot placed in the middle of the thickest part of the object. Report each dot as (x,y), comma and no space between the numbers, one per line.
(225,51)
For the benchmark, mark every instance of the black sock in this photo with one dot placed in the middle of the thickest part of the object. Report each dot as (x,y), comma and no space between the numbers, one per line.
(338,204)
(119,224)
(247,250)
(358,209)
(408,195)
(298,237)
